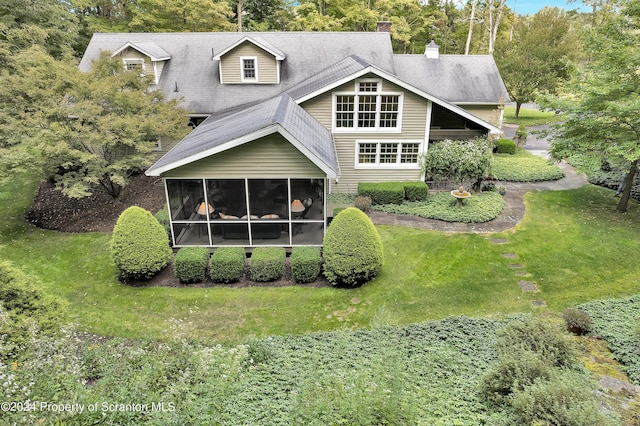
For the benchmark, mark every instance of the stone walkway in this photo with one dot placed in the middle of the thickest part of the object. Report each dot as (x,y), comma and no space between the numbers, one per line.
(511,215)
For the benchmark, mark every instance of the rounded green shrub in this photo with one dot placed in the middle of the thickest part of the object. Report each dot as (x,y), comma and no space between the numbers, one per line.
(505,146)
(267,263)
(227,264)
(305,264)
(190,264)
(162,216)
(352,249)
(139,245)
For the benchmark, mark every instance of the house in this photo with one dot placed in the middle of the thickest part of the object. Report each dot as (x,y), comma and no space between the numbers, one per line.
(284,118)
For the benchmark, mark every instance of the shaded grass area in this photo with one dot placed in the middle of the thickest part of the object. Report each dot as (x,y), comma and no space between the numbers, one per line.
(572,243)
(530,117)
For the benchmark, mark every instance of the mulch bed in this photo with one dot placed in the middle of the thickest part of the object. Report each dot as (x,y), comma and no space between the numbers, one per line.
(51,209)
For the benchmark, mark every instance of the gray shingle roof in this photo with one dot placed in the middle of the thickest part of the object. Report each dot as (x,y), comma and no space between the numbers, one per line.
(459,79)
(196,75)
(217,132)
(149,48)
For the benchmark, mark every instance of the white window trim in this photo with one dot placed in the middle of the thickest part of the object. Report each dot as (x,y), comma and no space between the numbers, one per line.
(255,63)
(355,93)
(140,61)
(397,164)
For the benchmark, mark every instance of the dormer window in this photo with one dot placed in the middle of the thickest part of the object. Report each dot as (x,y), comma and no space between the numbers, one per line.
(134,65)
(249,66)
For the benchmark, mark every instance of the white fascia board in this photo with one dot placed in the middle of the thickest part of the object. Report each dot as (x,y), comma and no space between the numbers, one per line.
(216,150)
(395,80)
(252,41)
(133,46)
(307,153)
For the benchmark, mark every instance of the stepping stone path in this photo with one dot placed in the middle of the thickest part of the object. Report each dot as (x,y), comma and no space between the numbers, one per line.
(526,286)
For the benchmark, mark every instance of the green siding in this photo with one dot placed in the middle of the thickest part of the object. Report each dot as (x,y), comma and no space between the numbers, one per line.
(414,119)
(268,157)
(231,70)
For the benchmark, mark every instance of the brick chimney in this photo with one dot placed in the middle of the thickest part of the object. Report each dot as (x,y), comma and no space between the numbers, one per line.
(384,26)
(432,50)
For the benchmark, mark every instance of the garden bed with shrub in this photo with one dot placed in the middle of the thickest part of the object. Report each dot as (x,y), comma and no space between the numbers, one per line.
(479,208)
(524,167)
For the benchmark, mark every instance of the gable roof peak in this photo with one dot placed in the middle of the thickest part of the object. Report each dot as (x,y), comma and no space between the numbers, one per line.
(148,48)
(258,42)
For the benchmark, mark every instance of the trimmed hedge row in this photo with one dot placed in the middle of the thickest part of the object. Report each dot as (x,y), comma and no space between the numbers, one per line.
(267,263)
(227,264)
(305,264)
(393,192)
(190,264)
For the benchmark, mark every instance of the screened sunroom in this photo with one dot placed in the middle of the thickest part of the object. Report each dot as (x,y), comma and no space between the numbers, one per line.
(247,212)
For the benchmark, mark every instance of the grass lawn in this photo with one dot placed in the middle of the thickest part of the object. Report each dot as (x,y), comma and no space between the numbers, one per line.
(572,243)
(530,117)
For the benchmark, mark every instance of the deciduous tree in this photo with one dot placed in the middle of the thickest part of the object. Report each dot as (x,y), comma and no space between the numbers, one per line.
(603,104)
(540,56)
(85,131)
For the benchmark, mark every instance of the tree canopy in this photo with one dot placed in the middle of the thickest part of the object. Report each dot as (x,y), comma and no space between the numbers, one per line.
(85,131)
(602,103)
(540,56)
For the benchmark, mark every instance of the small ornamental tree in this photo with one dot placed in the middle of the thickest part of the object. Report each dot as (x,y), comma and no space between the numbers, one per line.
(458,161)
(139,245)
(352,249)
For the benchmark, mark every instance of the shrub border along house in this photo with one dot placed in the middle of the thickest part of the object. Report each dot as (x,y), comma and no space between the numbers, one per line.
(190,264)
(267,263)
(306,263)
(393,192)
(227,264)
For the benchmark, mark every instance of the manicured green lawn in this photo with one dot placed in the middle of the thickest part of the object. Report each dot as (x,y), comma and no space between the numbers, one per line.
(573,244)
(529,117)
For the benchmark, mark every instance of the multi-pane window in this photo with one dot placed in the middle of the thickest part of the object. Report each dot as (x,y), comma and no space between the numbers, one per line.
(248,68)
(388,153)
(344,110)
(367,153)
(409,153)
(134,65)
(389,110)
(369,108)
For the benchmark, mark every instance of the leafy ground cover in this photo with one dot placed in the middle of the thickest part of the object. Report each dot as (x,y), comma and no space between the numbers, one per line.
(618,322)
(478,208)
(524,167)
(427,373)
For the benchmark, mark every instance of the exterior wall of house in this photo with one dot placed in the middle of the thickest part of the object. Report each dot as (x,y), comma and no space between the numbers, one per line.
(268,157)
(130,53)
(267,66)
(414,121)
(489,113)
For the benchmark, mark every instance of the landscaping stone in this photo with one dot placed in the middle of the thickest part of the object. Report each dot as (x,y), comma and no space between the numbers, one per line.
(539,303)
(528,286)
(499,240)
(515,265)
(509,255)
